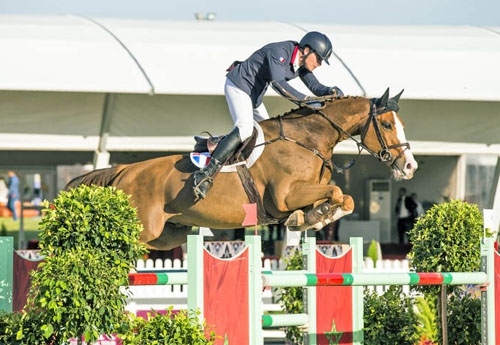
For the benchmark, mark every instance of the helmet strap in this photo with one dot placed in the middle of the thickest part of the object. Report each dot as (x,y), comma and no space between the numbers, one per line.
(305,56)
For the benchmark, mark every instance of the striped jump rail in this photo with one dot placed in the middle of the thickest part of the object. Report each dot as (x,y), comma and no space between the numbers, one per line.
(288,279)
(172,278)
(280,320)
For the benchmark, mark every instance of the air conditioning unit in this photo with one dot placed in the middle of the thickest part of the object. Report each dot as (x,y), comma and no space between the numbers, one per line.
(380,205)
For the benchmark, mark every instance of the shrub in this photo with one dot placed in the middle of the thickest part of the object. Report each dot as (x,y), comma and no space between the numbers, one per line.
(464,320)
(181,328)
(448,239)
(389,318)
(292,298)
(92,218)
(425,310)
(89,237)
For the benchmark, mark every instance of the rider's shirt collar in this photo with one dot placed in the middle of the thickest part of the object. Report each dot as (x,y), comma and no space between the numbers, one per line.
(295,59)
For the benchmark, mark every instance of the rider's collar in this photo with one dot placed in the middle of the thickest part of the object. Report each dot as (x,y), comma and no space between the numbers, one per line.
(295,59)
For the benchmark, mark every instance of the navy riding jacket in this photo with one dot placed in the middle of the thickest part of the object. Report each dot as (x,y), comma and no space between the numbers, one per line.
(273,62)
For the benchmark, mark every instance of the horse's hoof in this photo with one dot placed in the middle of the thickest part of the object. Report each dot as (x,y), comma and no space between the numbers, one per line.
(295,219)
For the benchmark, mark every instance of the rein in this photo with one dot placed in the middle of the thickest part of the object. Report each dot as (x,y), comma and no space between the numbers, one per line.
(326,162)
(384,155)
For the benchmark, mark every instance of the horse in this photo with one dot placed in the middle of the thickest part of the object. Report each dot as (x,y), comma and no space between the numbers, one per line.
(289,182)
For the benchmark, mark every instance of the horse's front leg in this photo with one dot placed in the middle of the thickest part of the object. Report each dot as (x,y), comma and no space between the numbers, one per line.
(323,211)
(319,216)
(302,194)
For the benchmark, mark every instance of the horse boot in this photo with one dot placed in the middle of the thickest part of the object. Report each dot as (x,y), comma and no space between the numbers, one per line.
(203,179)
(316,218)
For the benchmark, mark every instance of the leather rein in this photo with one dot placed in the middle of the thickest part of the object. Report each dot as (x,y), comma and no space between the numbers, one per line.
(384,155)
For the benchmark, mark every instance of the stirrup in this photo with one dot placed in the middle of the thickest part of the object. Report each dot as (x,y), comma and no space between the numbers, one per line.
(198,190)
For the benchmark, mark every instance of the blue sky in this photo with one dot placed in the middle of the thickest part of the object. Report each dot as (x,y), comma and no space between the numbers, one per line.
(356,12)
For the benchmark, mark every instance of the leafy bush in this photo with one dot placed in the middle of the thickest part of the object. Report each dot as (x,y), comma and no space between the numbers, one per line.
(89,237)
(464,320)
(92,218)
(292,298)
(448,239)
(425,310)
(8,322)
(389,318)
(181,328)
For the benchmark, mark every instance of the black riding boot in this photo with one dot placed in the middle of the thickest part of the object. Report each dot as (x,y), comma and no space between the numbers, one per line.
(203,178)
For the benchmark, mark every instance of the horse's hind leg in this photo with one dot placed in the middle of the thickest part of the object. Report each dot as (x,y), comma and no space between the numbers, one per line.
(320,216)
(172,236)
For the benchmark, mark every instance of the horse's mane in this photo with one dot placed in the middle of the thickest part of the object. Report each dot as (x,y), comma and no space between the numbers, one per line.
(100,177)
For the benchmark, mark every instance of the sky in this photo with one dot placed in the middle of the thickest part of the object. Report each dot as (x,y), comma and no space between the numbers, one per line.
(346,12)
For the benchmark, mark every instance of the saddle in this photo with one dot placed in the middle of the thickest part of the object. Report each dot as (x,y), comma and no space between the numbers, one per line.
(208,144)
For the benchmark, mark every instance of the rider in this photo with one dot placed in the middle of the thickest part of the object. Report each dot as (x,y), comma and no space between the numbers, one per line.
(246,83)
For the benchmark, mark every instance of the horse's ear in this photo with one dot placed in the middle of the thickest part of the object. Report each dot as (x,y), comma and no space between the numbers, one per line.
(397,97)
(382,101)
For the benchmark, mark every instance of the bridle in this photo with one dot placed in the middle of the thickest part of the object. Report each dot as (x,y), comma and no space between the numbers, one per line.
(384,155)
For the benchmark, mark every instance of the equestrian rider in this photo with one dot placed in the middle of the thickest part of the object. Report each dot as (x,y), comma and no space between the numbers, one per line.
(246,83)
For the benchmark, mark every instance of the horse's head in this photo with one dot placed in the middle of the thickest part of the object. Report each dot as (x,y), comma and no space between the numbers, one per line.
(385,138)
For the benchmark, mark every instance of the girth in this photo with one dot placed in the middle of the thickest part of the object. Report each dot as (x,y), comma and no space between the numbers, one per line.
(254,196)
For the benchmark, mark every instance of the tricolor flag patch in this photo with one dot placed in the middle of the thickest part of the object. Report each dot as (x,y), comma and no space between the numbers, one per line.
(200,159)
(282,59)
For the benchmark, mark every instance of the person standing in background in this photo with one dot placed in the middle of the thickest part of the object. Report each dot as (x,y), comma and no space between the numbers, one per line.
(419,208)
(13,195)
(405,208)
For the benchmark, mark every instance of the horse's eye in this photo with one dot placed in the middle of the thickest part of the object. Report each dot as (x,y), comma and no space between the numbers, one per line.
(386,125)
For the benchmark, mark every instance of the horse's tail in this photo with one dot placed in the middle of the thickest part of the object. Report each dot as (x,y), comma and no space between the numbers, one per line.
(100,177)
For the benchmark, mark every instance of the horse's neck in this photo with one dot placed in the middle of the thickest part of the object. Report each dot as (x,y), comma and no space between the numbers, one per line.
(350,117)
(317,132)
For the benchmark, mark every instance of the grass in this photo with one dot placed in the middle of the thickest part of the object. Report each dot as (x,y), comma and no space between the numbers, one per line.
(9,227)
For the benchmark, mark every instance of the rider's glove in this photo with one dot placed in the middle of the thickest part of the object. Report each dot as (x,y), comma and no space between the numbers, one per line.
(336,92)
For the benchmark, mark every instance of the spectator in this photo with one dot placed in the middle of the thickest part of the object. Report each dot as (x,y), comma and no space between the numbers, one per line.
(13,195)
(419,209)
(405,208)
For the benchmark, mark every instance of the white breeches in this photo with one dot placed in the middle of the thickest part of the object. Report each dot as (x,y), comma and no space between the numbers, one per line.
(242,111)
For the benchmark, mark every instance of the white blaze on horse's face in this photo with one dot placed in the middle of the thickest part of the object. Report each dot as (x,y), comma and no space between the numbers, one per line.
(406,171)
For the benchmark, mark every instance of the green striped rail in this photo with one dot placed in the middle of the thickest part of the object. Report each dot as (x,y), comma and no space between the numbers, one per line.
(285,279)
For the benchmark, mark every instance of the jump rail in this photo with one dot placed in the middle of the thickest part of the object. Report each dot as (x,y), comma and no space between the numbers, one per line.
(250,280)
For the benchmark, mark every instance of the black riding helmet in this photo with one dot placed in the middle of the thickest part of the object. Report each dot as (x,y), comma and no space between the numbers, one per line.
(319,43)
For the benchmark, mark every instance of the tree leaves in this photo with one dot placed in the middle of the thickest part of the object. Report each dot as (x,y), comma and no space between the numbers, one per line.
(89,238)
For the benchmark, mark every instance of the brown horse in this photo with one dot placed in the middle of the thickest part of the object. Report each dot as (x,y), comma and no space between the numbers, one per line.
(289,180)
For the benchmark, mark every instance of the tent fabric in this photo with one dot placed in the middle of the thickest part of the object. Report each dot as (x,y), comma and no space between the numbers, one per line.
(161,82)
(79,54)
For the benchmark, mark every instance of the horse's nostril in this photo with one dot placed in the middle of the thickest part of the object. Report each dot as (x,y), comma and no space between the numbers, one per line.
(409,166)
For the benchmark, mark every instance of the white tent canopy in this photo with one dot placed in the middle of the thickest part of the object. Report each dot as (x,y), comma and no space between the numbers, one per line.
(162,81)
(78,54)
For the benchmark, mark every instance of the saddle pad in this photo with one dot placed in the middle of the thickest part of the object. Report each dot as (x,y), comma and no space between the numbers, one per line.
(201,159)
